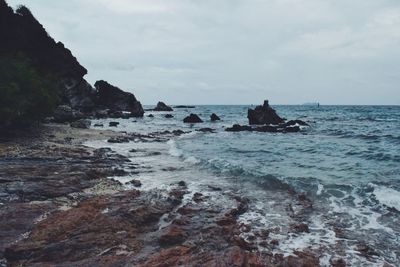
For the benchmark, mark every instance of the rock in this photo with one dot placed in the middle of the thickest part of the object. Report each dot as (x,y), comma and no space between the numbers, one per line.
(151,116)
(168,116)
(239,128)
(296,122)
(161,106)
(193,118)
(178,132)
(337,262)
(98,125)
(214,188)
(263,115)
(81,124)
(113,124)
(64,113)
(206,130)
(300,228)
(172,235)
(118,140)
(115,99)
(135,183)
(182,183)
(214,117)
(182,106)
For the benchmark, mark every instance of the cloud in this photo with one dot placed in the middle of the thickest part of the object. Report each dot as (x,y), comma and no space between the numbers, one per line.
(235,51)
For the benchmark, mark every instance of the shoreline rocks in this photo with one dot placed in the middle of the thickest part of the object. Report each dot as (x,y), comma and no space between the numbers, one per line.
(214,117)
(161,106)
(263,115)
(192,118)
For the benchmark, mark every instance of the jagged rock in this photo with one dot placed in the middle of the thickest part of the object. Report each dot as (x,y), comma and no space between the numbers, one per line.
(263,115)
(169,116)
(115,99)
(81,124)
(214,117)
(193,118)
(239,128)
(161,106)
(113,124)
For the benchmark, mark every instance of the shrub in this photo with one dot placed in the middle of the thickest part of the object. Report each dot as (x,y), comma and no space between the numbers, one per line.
(26,96)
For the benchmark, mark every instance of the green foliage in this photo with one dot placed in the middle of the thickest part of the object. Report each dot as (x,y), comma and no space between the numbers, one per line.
(26,96)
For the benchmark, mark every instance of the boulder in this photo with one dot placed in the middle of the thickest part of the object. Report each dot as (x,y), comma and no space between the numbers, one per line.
(214,117)
(81,124)
(263,115)
(151,116)
(65,113)
(113,124)
(161,106)
(192,118)
(113,98)
(169,116)
(239,128)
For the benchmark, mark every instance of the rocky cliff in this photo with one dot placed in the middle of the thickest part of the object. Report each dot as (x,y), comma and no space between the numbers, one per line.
(21,33)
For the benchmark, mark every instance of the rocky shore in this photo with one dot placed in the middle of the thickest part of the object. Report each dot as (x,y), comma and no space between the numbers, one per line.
(59,207)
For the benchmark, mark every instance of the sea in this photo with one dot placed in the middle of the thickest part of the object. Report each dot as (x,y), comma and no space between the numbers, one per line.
(346,164)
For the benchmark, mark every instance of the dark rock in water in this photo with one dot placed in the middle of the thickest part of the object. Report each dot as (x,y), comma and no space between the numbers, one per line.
(292,129)
(113,98)
(206,130)
(113,124)
(263,115)
(98,125)
(214,188)
(135,183)
(182,183)
(214,117)
(296,122)
(300,228)
(81,124)
(119,139)
(193,118)
(178,132)
(161,106)
(337,262)
(169,116)
(151,116)
(181,106)
(239,128)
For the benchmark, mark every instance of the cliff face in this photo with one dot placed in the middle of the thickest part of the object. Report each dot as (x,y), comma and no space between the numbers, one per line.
(21,33)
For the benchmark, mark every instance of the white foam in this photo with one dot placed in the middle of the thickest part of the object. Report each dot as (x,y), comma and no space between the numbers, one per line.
(320,188)
(173,149)
(387,196)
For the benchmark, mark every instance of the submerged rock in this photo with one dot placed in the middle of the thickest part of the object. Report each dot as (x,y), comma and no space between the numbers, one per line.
(214,117)
(113,124)
(263,115)
(161,106)
(182,106)
(193,118)
(264,129)
(169,116)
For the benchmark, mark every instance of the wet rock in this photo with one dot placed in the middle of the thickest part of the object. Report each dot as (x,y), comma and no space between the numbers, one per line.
(300,228)
(182,106)
(198,197)
(178,132)
(366,251)
(206,130)
(135,183)
(65,113)
(337,262)
(192,118)
(113,124)
(150,116)
(214,188)
(98,125)
(295,123)
(81,124)
(118,140)
(182,183)
(214,117)
(161,106)
(115,99)
(169,116)
(239,128)
(172,235)
(263,115)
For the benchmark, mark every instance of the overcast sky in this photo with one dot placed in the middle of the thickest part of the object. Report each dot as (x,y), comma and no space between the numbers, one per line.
(234,51)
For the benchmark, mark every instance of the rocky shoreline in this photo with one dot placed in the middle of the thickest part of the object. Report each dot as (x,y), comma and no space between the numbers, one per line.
(59,208)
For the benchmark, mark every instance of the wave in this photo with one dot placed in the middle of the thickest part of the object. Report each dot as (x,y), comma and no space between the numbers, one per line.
(386,196)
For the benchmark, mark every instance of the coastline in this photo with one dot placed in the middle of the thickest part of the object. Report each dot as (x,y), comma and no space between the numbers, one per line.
(65,211)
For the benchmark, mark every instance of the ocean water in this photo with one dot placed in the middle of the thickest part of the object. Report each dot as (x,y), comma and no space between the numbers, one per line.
(347,163)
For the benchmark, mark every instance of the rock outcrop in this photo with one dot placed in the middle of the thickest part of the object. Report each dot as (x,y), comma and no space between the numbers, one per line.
(263,115)
(161,106)
(192,118)
(214,117)
(113,98)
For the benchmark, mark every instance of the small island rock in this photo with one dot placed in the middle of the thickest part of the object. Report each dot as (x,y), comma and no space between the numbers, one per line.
(192,118)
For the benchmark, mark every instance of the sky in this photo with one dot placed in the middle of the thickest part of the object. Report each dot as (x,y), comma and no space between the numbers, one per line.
(234,51)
